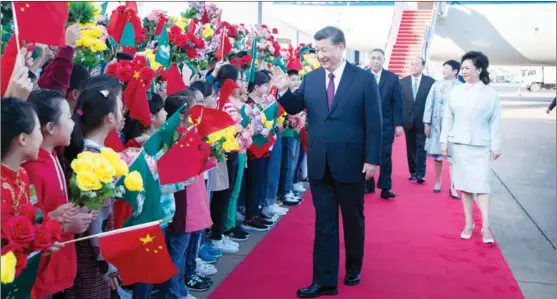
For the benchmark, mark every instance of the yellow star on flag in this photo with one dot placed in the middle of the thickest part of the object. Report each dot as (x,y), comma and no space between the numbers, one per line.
(136,75)
(147,239)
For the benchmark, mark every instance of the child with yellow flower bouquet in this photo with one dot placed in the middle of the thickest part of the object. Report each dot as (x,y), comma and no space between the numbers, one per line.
(98,112)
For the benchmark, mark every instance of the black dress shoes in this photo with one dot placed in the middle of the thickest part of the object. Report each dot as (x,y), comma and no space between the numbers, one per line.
(387,194)
(370,186)
(316,290)
(420,180)
(352,279)
(412,177)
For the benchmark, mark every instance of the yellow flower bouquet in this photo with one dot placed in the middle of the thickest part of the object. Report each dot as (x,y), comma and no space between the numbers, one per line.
(90,46)
(223,141)
(9,261)
(94,178)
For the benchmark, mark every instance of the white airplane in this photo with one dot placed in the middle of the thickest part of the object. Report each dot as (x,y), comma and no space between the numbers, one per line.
(508,32)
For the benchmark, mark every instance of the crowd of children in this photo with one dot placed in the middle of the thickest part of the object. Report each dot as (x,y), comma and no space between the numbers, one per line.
(68,111)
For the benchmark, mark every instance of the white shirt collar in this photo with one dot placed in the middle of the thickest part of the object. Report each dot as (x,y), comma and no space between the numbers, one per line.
(338,72)
(378,75)
(419,78)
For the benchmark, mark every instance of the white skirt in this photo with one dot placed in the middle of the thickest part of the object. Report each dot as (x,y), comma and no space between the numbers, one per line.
(471,168)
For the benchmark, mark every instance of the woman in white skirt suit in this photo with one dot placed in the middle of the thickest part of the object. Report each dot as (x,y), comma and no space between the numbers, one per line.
(471,123)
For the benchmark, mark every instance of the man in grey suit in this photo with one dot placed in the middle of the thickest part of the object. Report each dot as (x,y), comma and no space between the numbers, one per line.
(344,148)
(415,89)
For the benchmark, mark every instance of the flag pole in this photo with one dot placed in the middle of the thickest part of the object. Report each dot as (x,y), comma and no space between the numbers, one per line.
(115,232)
(222,44)
(16,29)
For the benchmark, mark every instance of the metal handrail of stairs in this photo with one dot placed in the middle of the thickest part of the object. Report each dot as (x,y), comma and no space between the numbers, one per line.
(393,31)
(430,30)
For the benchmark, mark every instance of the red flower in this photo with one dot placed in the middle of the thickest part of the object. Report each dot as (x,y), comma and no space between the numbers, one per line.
(180,40)
(275,31)
(199,43)
(125,74)
(19,229)
(246,59)
(43,238)
(139,62)
(113,70)
(191,52)
(175,30)
(29,211)
(232,32)
(276,45)
(125,63)
(55,228)
(264,26)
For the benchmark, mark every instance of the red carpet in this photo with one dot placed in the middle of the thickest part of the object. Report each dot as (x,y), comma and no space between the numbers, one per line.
(413,251)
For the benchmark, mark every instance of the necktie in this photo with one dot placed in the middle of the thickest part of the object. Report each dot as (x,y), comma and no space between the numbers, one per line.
(377,79)
(331,90)
(415,88)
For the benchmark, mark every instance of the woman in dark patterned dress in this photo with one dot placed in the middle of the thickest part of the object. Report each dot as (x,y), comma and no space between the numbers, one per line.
(98,112)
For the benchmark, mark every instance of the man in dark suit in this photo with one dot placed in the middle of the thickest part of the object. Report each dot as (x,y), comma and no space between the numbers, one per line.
(344,149)
(415,89)
(391,104)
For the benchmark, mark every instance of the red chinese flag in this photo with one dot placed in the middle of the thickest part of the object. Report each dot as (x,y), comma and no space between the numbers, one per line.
(175,83)
(274,92)
(260,151)
(135,99)
(143,247)
(225,46)
(9,58)
(208,120)
(224,93)
(116,24)
(205,17)
(114,142)
(51,16)
(192,26)
(160,25)
(184,160)
(132,5)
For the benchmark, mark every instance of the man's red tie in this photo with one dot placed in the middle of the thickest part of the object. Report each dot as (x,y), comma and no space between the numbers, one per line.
(331,90)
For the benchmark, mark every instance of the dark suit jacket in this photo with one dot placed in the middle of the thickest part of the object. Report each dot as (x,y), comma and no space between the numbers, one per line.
(391,99)
(414,110)
(350,133)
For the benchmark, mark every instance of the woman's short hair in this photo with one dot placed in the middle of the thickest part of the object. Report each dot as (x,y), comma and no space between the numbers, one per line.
(480,61)
(455,65)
